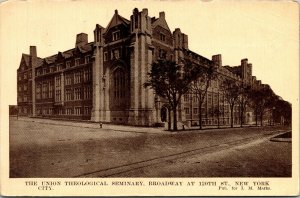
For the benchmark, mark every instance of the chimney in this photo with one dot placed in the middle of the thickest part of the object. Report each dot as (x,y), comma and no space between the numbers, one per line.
(145,11)
(162,15)
(185,41)
(217,59)
(33,51)
(81,39)
(244,61)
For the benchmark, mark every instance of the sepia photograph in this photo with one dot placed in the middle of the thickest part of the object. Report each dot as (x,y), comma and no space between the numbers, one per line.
(151,89)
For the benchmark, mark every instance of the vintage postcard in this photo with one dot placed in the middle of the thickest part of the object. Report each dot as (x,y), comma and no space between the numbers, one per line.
(149,98)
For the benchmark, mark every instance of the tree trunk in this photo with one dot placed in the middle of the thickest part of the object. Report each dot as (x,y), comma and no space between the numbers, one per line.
(241,116)
(175,119)
(231,116)
(261,118)
(169,120)
(200,116)
(256,117)
(218,118)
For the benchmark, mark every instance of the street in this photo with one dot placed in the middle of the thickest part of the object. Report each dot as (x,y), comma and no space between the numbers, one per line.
(40,149)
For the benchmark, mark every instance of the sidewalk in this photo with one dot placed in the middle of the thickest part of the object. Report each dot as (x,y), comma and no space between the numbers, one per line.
(125,128)
(95,125)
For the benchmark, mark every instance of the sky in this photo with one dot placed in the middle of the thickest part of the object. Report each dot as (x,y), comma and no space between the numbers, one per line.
(265,32)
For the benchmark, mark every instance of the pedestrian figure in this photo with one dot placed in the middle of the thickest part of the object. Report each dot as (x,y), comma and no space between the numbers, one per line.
(183,127)
(100,123)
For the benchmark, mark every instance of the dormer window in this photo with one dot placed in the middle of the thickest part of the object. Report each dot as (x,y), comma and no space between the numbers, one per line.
(116,35)
(59,67)
(162,37)
(45,71)
(68,64)
(105,56)
(77,61)
(115,54)
(162,54)
(87,59)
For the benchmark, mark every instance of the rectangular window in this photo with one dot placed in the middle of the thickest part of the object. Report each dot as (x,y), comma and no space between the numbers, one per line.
(20,77)
(52,69)
(186,97)
(38,91)
(39,72)
(162,54)
(105,56)
(25,87)
(162,37)
(87,59)
(45,90)
(195,111)
(77,110)
(57,81)
(77,77)
(45,71)
(51,90)
(195,99)
(68,79)
(69,111)
(69,94)
(77,93)
(87,92)
(25,75)
(30,74)
(115,54)
(87,110)
(187,110)
(57,95)
(68,64)
(38,110)
(77,61)
(87,75)
(59,67)
(116,35)
(60,111)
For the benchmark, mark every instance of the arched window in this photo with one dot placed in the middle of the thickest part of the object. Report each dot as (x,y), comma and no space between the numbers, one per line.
(119,84)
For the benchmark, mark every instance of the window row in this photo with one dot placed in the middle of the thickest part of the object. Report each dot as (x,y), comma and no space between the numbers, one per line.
(24,76)
(86,110)
(22,87)
(111,55)
(24,98)
(78,93)
(44,90)
(61,66)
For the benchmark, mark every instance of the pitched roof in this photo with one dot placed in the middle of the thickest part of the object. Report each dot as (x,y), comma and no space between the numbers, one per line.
(161,22)
(26,58)
(117,20)
(66,54)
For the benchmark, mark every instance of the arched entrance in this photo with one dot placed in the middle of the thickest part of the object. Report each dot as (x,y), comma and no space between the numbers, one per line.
(163,114)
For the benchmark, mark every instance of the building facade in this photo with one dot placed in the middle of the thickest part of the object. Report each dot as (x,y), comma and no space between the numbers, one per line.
(103,80)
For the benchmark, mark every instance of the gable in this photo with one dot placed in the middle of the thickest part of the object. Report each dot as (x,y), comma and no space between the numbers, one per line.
(25,61)
(117,20)
(161,22)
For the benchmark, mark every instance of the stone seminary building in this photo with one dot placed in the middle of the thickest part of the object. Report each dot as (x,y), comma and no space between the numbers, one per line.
(103,80)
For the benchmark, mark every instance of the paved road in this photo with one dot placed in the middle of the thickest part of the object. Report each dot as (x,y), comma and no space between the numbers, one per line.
(45,150)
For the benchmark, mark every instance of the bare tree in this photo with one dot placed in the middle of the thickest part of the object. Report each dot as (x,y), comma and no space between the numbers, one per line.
(243,100)
(170,80)
(231,90)
(262,99)
(200,86)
